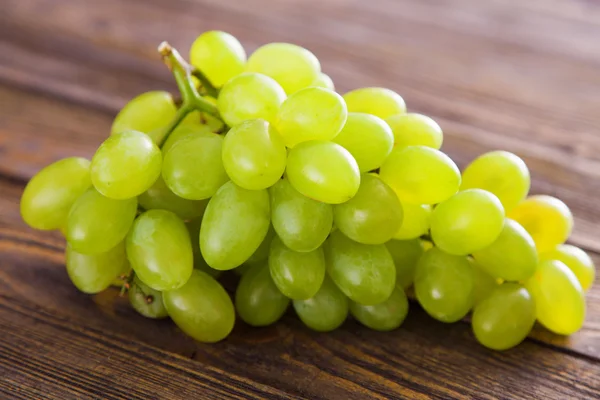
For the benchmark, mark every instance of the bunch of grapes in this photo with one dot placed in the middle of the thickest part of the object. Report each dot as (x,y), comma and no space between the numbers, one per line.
(336,204)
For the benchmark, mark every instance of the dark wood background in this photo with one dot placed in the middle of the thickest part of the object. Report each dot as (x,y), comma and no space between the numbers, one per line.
(517,75)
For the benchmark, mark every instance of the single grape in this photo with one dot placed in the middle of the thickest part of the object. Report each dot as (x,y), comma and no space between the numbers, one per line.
(577,260)
(483,283)
(385,316)
(193,228)
(406,255)
(49,195)
(146,301)
(415,221)
(415,130)
(184,130)
(218,55)
(326,310)
(323,81)
(380,102)
(159,196)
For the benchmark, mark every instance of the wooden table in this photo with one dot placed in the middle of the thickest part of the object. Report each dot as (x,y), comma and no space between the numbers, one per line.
(517,75)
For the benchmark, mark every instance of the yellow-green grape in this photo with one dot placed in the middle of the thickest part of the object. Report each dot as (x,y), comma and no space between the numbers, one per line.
(201,308)
(193,228)
(95,273)
(159,196)
(294,67)
(160,251)
(415,221)
(323,171)
(258,301)
(249,96)
(193,167)
(96,223)
(301,223)
(326,310)
(483,283)
(254,155)
(363,272)
(577,260)
(147,301)
(420,175)
(235,223)
(385,316)
(184,130)
(261,255)
(444,285)
(501,173)
(373,215)
(218,55)
(323,81)
(368,138)
(504,318)
(547,219)
(311,114)
(380,102)
(468,222)
(558,296)
(49,195)
(415,130)
(125,165)
(406,255)
(512,256)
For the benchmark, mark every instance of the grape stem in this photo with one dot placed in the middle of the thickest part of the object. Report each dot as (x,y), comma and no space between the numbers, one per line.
(210,89)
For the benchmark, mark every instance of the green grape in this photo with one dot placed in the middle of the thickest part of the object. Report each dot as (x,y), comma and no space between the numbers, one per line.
(292,66)
(512,256)
(501,173)
(444,285)
(95,273)
(547,219)
(380,102)
(323,171)
(96,223)
(385,316)
(311,114)
(326,310)
(184,130)
(323,81)
(146,301)
(148,113)
(577,260)
(254,155)
(363,272)
(373,215)
(297,275)
(420,175)
(303,224)
(159,196)
(483,283)
(504,318)
(415,221)
(49,195)
(258,301)
(193,228)
(193,167)
(235,223)
(415,130)
(125,165)
(406,255)
(261,255)
(160,251)
(219,56)
(245,267)
(368,138)
(201,308)
(468,222)
(249,96)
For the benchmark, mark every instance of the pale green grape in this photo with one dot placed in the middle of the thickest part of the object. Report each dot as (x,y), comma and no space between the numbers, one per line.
(368,138)
(363,272)
(219,56)
(297,275)
(160,251)
(254,155)
(146,301)
(501,173)
(512,256)
(415,221)
(261,255)
(249,96)
(468,222)
(234,225)
(323,171)
(444,285)
(385,316)
(159,196)
(49,195)
(303,224)
(311,114)
(406,255)
(415,130)
(193,167)
(193,228)
(373,215)
(258,301)
(380,102)
(323,81)
(184,130)
(504,318)
(326,310)
(420,175)
(577,260)
(96,223)
(95,273)
(483,283)
(201,308)
(292,66)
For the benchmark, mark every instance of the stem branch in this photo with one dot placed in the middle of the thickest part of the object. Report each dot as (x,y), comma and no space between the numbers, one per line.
(210,89)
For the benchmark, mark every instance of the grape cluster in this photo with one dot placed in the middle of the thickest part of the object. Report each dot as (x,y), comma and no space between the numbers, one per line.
(336,204)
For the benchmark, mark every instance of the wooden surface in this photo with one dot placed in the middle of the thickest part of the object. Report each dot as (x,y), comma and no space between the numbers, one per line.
(517,75)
